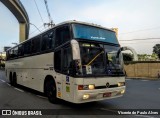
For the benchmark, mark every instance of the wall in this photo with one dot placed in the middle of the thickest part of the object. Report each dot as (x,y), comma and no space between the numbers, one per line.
(143,69)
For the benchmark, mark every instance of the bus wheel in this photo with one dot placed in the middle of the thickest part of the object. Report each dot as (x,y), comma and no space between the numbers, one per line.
(14,80)
(50,89)
(10,79)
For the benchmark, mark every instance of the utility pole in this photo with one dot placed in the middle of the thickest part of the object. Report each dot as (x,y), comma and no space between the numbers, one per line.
(50,24)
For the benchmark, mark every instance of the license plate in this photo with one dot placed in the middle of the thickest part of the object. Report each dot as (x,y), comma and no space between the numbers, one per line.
(107,94)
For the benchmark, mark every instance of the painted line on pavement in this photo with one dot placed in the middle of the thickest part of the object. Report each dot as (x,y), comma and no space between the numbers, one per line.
(8,84)
(2,80)
(19,89)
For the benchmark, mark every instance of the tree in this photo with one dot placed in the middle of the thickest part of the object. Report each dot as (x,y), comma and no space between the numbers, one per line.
(156,50)
(127,57)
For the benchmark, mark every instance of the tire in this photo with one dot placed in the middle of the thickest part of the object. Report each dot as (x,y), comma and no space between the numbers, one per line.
(51,92)
(10,79)
(14,80)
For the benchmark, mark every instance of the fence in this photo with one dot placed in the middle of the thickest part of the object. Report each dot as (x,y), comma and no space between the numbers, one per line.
(143,69)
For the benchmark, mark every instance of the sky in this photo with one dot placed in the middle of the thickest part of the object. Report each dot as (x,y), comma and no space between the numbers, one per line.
(135,19)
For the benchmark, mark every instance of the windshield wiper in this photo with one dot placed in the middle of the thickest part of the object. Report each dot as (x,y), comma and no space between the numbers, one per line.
(95,58)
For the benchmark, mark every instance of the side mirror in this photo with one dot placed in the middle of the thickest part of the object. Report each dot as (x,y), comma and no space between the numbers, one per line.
(121,49)
(107,61)
(74,68)
(75,50)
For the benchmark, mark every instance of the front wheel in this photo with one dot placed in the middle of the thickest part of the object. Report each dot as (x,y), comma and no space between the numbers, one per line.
(51,91)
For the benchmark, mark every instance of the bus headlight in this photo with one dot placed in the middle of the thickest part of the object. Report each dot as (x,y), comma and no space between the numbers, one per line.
(91,87)
(85,96)
(121,84)
(86,87)
(123,91)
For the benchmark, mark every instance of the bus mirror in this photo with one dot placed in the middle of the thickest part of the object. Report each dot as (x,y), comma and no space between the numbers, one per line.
(72,68)
(75,50)
(121,49)
(107,60)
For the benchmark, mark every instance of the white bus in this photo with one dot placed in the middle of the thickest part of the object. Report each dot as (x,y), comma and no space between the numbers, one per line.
(74,61)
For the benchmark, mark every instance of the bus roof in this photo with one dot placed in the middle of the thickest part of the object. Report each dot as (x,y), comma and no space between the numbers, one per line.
(68,22)
(83,23)
(74,21)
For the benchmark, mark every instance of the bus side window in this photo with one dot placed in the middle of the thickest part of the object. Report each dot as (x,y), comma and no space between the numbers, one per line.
(27,47)
(44,42)
(47,41)
(62,35)
(57,60)
(7,55)
(14,52)
(67,57)
(51,40)
(35,45)
(21,50)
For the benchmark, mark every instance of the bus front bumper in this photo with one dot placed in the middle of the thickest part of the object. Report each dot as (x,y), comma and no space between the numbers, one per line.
(83,96)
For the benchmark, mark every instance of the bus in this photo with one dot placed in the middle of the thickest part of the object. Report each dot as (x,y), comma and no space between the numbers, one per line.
(74,61)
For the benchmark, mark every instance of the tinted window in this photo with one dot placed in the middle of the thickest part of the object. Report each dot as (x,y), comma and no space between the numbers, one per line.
(57,60)
(27,48)
(20,50)
(14,52)
(62,35)
(7,55)
(67,57)
(36,44)
(47,41)
(94,33)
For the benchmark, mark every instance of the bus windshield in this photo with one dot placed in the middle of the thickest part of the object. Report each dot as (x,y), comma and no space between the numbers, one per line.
(94,33)
(98,59)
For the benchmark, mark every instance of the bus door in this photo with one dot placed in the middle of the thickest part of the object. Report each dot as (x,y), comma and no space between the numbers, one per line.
(66,67)
(63,59)
(58,75)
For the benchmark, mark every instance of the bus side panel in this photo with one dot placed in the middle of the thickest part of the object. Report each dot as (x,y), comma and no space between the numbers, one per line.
(31,71)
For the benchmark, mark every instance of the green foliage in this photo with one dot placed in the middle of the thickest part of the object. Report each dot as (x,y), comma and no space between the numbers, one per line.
(156,50)
(145,57)
(127,57)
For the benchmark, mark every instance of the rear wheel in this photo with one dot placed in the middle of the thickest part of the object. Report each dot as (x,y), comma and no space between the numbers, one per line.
(10,79)
(50,91)
(14,79)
